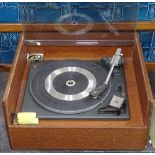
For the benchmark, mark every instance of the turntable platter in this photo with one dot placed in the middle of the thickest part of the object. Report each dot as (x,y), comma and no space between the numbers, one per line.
(64,86)
(70,83)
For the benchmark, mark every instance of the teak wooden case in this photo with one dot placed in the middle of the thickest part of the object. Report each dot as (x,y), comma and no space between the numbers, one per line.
(81,134)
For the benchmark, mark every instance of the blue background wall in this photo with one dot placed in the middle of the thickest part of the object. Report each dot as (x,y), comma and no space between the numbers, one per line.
(35,12)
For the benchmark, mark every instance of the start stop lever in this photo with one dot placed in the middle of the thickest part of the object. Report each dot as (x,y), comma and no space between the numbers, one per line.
(114,62)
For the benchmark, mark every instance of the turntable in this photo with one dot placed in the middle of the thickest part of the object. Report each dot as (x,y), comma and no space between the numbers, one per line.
(87,84)
(65,89)
(89,97)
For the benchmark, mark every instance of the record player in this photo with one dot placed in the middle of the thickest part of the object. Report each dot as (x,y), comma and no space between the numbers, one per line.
(88,90)
(59,89)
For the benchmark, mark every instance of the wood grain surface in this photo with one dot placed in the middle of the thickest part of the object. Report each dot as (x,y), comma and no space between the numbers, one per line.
(19,27)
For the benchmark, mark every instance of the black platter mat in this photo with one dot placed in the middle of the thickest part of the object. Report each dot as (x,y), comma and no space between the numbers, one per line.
(44,99)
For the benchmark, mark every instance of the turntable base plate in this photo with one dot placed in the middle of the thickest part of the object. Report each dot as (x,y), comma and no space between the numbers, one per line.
(60,89)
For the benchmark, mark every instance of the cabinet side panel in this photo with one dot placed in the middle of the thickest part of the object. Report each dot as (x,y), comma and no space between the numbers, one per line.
(144,88)
(13,84)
